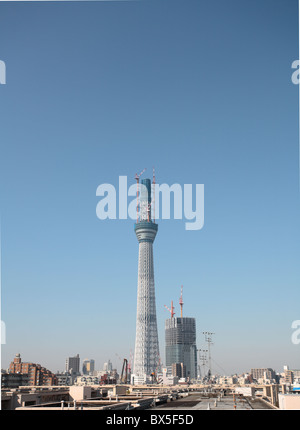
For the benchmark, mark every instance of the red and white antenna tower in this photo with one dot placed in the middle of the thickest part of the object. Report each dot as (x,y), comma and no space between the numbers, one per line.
(137,178)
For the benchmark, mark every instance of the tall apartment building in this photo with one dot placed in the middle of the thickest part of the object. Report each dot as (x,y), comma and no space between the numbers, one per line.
(17,366)
(73,364)
(37,375)
(289,376)
(264,373)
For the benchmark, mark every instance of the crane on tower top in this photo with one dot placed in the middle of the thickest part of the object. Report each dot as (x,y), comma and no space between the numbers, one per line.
(181,302)
(137,178)
(153,200)
(170,310)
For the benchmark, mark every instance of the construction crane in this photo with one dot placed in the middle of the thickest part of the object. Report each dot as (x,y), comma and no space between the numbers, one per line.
(158,368)
(153,200)
(117,355)
(124,374)
(153,378)
(137,178)
(171,310)
(181,302)
(130,362)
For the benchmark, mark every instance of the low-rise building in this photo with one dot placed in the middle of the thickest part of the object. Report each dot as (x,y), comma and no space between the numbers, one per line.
(64,379)
(86,380)
(227,380)
(289,401)
(13,380)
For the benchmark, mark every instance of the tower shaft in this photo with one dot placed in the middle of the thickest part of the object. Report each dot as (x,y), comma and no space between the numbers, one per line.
(146,357)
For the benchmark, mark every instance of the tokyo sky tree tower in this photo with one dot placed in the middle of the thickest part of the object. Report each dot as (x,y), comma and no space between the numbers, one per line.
(146,356)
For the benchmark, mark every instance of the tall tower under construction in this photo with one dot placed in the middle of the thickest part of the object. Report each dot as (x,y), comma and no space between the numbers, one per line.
(146,356)
(181,349)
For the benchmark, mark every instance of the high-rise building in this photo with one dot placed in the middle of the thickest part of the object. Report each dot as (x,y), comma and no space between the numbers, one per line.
(88,366)
(73,364)
(181,349)
(178,369)
(108,367)
(289,376)
(36,374)
(263,373)
(146,355)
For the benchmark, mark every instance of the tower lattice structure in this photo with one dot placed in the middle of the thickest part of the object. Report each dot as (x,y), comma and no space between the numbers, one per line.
(146,356)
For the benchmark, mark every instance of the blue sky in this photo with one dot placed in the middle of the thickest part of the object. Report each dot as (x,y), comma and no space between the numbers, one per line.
(202,90)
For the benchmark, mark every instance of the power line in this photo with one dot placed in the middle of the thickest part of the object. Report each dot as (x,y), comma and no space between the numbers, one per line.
(223,370)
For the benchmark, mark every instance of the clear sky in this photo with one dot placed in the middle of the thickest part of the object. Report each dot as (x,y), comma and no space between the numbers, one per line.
(201,90)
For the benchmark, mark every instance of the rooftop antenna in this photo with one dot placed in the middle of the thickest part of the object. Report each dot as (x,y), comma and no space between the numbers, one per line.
(137,178)
(181,301)
(171,310)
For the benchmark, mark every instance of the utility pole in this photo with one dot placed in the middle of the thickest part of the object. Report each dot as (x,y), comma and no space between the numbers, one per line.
(208,339)
(203,359)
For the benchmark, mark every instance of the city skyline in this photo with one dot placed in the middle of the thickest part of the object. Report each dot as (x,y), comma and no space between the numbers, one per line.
(121,86)
(110,366)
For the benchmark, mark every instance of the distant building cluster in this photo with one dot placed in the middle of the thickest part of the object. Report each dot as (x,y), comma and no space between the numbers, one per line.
(25,383)
(262,376)
(21,374)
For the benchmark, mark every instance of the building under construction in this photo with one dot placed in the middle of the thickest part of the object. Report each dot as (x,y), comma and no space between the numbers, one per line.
(146,355)
(181,349)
